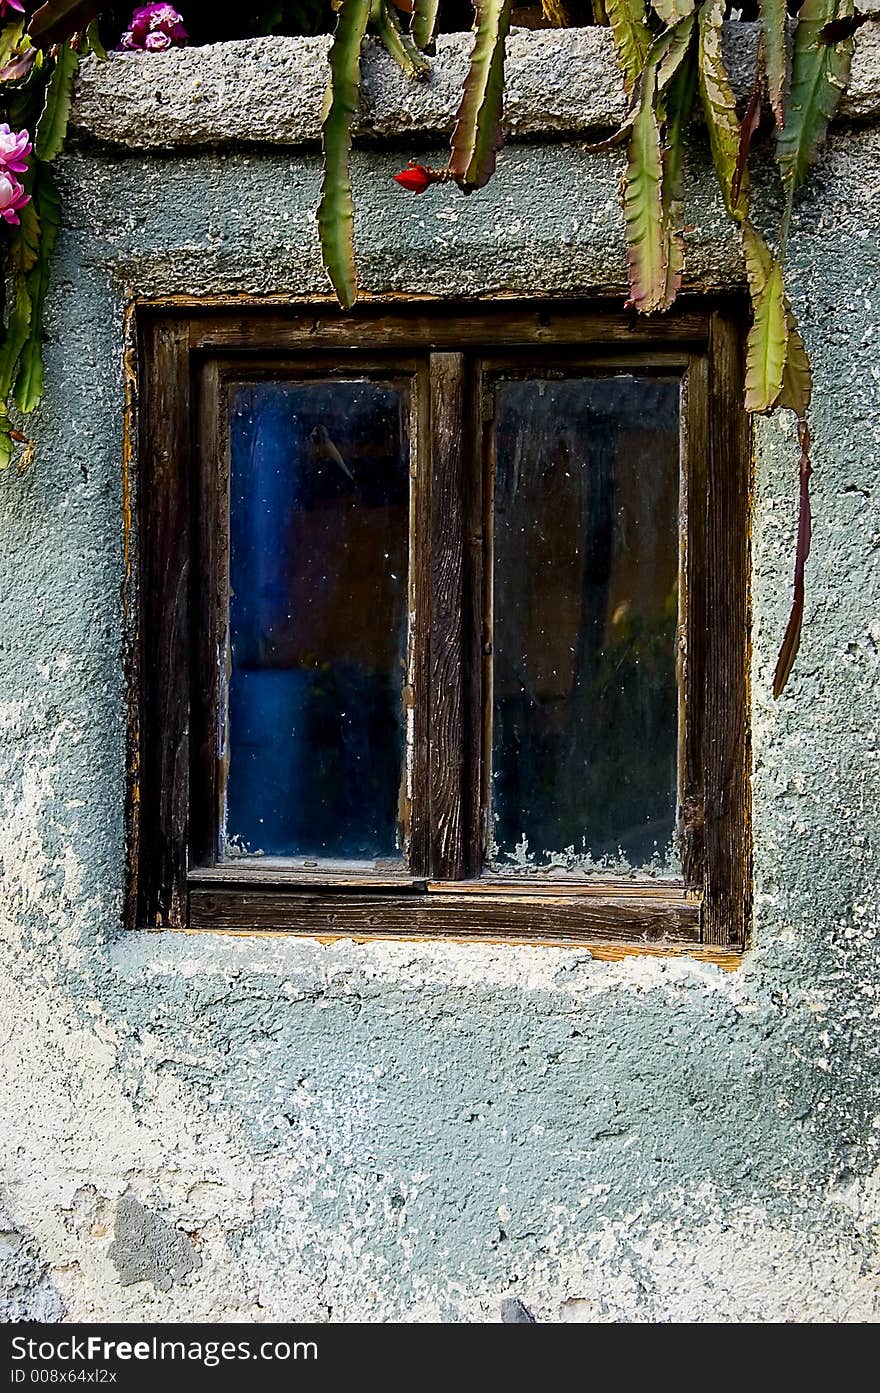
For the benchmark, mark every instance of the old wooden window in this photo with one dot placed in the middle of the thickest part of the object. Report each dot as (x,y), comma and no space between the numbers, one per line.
(442,624)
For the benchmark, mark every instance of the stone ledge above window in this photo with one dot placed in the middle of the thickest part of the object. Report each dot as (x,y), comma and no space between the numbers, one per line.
(270,91)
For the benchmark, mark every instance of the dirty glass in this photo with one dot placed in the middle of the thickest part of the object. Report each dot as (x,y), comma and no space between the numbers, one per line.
(584,707)
(318,618)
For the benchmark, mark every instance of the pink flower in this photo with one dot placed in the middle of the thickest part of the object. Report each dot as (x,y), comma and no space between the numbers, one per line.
(15,146)
(10,5)
(153,28)
(12,197)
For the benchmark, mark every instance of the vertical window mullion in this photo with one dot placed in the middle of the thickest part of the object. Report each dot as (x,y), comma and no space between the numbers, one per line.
(415,796)
(211,608)
(159,805)
(448,701)
(692,622)
(727,900)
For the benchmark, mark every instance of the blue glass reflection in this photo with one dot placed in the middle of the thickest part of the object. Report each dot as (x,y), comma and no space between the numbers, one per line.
(318,618)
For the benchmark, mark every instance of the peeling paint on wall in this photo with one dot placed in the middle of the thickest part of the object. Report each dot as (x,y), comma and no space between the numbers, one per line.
(146,1248)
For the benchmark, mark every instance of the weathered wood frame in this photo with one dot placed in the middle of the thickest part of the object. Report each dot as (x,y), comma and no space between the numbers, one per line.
(188,355)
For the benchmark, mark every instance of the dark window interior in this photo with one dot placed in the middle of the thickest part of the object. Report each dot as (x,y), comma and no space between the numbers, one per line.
(585,614)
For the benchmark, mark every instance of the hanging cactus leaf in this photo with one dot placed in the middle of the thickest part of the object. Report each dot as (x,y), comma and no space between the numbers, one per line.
(52,125)
(750,124)
(819,74)
(797,377)
(774,24)
(15,335)
(424,24)
(758,259)
(24,246)
(670,11)
(10,41)
(719,108)
(20,65)
(335,209)
(477,137)
(642,199)
(668,50)
(792,640)
(679,101)
(767,344)
(29,383)
(59,20)
(795,393)
(400,45)
(92,42)
(632,38)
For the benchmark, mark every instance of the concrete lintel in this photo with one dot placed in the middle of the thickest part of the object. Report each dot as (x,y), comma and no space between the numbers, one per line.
(270,90)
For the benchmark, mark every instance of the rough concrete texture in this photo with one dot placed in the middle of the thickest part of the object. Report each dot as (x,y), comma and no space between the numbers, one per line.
(146,1248)
(271,90)
(414,1131)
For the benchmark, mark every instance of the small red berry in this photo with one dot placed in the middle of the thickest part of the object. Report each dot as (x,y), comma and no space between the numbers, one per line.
(416,178)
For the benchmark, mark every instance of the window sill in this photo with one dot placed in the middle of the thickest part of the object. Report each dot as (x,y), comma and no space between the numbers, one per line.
(610,919)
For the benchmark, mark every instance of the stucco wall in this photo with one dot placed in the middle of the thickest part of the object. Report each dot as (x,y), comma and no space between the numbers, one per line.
(234,1128)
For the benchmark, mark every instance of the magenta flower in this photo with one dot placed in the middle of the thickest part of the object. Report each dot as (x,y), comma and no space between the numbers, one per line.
(10,5)
(12,197)
(153,28)
(15,146)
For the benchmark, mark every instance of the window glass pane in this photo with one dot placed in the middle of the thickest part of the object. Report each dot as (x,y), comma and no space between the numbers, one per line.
(318,618)
(585,704)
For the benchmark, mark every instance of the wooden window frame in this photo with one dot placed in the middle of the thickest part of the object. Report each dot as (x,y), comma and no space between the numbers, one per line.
(187,356)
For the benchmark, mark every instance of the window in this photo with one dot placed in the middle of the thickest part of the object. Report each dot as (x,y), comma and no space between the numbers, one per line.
(443,624)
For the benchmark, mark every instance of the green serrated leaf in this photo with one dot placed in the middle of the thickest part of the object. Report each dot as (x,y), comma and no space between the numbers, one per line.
(758,259)
(477,137)
(52,125)
(797,380)
(24,240)
(679,102)
(719,108)
(29,380)
(15,336)
(335,209)
(669,12)
(819,75)
(10,39)
(93,42)
(774,24)
(424,23)
(632,38)
(767,344)
(643,205)
(670,49)
(400,45)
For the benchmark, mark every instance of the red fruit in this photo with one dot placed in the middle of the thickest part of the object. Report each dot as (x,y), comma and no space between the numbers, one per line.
(416,179)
